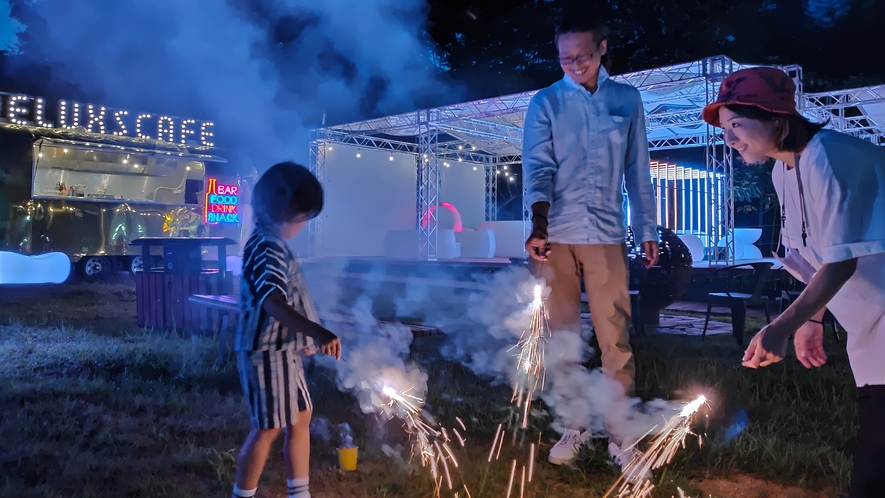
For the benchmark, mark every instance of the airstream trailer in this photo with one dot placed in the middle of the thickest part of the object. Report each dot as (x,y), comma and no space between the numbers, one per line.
(91,181)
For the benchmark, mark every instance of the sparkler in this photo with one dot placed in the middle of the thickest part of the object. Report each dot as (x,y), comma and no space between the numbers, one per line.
(530,373)
(429,444)
(660,451)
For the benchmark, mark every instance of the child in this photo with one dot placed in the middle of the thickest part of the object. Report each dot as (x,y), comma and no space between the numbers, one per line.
(831,188)
(279,323)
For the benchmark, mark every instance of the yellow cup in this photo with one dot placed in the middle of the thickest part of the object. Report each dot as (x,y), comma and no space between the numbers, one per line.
(347,458)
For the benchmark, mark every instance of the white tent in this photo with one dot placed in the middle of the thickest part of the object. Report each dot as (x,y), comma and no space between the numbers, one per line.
(489,132)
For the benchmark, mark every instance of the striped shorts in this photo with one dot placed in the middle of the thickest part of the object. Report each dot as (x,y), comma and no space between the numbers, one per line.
(274,387)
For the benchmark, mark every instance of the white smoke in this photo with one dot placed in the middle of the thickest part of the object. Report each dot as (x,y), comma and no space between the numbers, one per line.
(264,71)
(482,335)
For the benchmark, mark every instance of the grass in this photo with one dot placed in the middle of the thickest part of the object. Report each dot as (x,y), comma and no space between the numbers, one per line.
(99,408)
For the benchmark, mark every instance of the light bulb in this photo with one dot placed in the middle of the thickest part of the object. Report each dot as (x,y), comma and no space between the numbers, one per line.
(138,126)
(168,131)
(205,134)
(66,151)
(94,118)
(474,168)
(185,131)
(118,117)
(357,154)
(391,158)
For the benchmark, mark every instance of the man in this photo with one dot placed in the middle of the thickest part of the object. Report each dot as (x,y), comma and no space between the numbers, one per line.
(584,141)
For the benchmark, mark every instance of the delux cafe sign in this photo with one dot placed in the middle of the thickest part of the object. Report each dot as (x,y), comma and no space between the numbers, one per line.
(26,110)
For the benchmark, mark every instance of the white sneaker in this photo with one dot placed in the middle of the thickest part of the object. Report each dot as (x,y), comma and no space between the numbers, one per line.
(634,465)
(565,451)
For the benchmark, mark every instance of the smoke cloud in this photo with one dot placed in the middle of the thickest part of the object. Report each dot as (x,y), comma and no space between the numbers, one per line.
(482,327)
(264,71)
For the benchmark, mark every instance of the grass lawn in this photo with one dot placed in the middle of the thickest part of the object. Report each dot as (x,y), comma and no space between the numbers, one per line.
(92,406)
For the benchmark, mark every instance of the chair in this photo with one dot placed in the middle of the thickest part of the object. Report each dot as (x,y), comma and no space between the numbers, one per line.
(789,294)
(636,313)
(740,301)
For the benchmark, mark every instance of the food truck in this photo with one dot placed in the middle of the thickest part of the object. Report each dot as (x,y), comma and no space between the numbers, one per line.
(86,180)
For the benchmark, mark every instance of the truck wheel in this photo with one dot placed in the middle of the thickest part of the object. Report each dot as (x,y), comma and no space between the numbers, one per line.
(136,265)
(92,268)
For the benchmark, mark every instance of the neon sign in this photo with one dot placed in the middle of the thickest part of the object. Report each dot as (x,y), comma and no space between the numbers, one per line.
(222,202)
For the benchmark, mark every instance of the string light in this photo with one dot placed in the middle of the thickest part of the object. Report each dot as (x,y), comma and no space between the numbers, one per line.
(205,134)
(118,117)
(40,118)
(16,110)
(185,131)
(138,126)
(93,119)
(63,119)
(169,131)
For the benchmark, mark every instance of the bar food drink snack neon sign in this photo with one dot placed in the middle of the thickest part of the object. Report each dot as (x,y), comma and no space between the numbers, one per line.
(222,202)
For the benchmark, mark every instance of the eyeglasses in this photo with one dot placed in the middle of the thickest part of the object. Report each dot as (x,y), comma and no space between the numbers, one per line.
(581,59)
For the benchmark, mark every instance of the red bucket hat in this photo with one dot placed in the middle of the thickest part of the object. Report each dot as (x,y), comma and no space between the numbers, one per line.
(765,87)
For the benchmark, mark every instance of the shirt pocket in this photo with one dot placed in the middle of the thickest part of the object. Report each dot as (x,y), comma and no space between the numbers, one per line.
(615,124)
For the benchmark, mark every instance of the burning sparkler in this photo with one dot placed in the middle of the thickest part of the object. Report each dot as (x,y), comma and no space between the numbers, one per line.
(530,373)
(660,451)
(429,444)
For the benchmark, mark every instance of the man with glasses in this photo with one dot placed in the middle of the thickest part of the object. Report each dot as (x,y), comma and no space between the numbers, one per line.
(584,142)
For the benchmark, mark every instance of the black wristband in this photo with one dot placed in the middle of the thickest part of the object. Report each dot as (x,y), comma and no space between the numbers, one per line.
(542,217)
(816,321)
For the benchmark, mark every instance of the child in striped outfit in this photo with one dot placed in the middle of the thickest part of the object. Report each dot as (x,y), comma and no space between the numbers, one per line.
(278,324)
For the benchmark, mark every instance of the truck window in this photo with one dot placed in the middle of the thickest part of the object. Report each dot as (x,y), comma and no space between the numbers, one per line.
(97,174)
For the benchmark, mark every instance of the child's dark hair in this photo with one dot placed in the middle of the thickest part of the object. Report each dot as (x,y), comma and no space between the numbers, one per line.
(791,132)
(284,192)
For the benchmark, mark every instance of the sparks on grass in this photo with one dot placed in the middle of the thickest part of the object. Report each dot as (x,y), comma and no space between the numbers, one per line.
(429,444)
(661,449)
(530,374)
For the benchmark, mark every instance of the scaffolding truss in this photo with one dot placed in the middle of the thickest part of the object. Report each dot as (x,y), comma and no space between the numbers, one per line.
(489,132)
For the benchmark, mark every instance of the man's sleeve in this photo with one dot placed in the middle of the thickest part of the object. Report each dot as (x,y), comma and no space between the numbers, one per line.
(538,163)
(637,176)
(849,201)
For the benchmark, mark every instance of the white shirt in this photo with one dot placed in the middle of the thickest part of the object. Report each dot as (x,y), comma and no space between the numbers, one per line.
(843,181)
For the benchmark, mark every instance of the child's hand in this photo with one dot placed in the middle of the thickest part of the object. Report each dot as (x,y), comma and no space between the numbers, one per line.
(331,345)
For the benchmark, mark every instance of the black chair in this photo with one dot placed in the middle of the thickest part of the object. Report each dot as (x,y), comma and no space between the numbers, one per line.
(789,293)
(740,301)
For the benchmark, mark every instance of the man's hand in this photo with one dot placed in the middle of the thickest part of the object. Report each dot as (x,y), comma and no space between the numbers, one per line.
(767,347)
(537,245)
(809,344)
(331,345)
(652,252)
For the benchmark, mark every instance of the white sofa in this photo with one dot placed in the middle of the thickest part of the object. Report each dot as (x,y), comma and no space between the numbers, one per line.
(477,244)
(403,244)
(509,237)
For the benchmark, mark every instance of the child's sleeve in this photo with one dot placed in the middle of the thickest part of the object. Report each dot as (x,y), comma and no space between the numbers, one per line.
(269,270)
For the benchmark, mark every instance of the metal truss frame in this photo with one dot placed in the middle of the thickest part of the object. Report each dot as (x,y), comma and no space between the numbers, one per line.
(428,185)
(317,165)
(489,132)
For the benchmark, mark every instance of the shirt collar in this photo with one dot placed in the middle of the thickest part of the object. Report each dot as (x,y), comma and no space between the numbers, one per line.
(574,87)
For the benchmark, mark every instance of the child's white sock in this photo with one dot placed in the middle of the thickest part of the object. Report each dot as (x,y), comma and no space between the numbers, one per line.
(244,493)
(298,487)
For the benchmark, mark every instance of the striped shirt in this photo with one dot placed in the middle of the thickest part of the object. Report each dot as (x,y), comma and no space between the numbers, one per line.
(268,265)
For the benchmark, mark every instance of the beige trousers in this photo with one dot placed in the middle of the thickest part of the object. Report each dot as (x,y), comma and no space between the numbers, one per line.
(605,273)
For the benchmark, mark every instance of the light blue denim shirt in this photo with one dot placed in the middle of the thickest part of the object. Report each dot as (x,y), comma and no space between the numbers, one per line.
(579,151)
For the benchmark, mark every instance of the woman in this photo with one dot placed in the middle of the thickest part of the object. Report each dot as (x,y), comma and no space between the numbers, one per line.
(831,189)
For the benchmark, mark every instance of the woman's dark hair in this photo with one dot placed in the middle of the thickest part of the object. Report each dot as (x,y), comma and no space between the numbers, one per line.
(792,132)
(284,192)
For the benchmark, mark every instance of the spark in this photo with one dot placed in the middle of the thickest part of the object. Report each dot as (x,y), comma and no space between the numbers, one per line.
(661,450)
(530,373)
(429,444)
